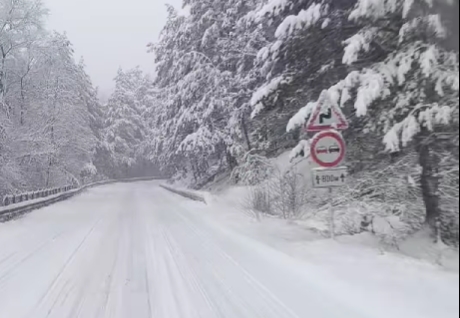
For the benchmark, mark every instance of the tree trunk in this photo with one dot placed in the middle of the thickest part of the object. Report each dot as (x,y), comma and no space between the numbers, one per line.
(51,157)
(7,108)
(48,172)
(245,133)
(429,181)
(231,161)
(23,102)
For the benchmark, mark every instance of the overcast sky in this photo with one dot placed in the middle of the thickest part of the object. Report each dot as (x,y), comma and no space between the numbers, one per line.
(110,33)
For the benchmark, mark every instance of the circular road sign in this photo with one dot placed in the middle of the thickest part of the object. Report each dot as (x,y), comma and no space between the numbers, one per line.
(328,149)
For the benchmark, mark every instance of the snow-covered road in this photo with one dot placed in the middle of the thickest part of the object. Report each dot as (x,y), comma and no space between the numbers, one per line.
(138,251)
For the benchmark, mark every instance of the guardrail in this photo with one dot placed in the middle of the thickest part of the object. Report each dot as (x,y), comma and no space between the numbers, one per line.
(185,193)
(24,203)
(28,196)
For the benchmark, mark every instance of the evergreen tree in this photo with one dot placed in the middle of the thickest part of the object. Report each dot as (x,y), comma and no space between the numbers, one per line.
(125,128)
(302,58)
(203,65)
(405,83)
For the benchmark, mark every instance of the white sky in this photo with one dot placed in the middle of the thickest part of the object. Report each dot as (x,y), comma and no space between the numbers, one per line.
(110,33)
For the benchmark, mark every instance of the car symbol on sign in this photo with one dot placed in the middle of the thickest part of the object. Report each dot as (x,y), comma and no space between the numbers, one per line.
(321,150)
(334,149)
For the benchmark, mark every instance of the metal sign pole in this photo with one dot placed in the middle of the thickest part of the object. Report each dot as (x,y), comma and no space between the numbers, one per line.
(331,216)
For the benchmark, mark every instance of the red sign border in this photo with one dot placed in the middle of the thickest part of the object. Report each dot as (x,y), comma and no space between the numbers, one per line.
(343,122)
(343,125)
(333,134)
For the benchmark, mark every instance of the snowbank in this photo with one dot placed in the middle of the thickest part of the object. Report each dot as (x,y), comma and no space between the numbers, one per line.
(189,194)
(417,249)
(387,231)
(390,283)
(422,247)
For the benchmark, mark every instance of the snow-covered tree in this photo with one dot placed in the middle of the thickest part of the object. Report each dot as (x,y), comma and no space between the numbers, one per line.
(300,60)
(63,127)
(125,125)
(404,83)
(20,23)
(46,137)
(191,88)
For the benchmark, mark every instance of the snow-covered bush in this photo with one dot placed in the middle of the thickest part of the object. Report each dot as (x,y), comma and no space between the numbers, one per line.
(391,230)
(355,217)
(350,220)
(253,170)
(259,200)
(386,202)
(289,191)
(449,194)
(284,195)
(88,172)
(10,178)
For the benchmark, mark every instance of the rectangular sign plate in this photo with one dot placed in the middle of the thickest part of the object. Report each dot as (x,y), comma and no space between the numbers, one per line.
(329,178)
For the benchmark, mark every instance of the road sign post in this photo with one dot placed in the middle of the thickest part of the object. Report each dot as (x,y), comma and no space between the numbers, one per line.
(328,148)
(331,217)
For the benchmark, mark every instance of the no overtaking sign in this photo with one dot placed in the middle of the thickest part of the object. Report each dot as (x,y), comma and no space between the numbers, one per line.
(328,149)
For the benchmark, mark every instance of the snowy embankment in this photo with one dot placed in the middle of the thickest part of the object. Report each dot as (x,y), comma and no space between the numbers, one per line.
(186,193)
(309,230)
(307,238)
(389,282)
(304,233)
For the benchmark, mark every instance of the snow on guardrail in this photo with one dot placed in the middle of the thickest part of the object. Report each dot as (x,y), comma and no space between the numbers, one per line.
(34,195)
(189,194)
(24,203)
(10,212)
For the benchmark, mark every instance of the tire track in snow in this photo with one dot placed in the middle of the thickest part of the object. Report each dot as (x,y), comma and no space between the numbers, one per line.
(15,266)
(271,304)
(63,268)
(6,258)
(166,264)
(68,280)
(193,281)
(136,251)
(183,240)
(97,264)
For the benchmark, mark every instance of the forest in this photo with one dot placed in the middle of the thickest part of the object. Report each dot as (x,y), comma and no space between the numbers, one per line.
(235,82)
